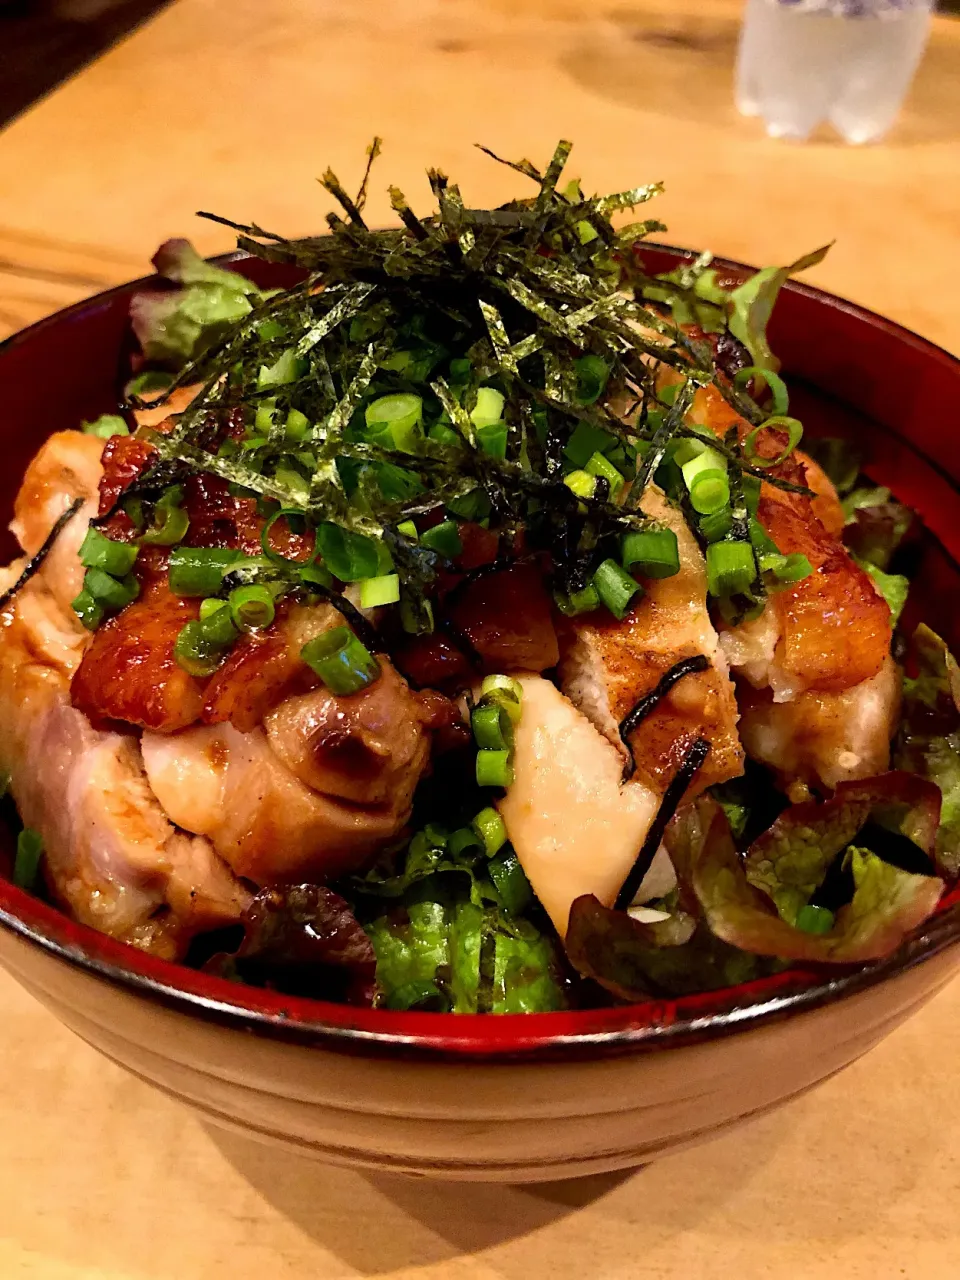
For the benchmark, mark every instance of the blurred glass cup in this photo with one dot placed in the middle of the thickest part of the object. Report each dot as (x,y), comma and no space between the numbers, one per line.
(849,62)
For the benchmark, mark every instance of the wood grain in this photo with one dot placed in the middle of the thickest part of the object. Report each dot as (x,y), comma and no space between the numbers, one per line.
(237,107)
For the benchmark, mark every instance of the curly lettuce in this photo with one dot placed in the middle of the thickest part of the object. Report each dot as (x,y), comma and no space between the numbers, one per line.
(928,741)
(448,937)
(175,326)
(764,902)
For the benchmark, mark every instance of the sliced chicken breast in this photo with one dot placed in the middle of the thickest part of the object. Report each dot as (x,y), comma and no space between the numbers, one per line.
(575,825)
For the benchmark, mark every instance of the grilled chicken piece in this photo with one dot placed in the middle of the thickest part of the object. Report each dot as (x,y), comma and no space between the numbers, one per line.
(324,784)
(608,666)
(506,618)
(820,693)
(129,673)
(824,738)
(575,826)
(829,631)
(112,856)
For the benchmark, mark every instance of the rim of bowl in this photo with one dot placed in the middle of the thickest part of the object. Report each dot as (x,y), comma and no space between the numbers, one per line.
(651,1026)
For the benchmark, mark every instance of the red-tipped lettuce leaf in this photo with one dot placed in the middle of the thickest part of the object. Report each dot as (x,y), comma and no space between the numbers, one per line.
(887,902)
(637,961)
(928,742)
(304,939)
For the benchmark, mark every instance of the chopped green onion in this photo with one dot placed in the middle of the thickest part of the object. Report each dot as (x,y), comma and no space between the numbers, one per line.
(494,769)
(710,492)
(489,407)
(592,374)
(26,866)
(705,476)
(263,418)
(763,544)
(576,602)
(794,430)
(585,441)
(731,568)
(269,330)
(510,882)
(598,465)
(216,620)
(496,684)
(653,553)
(716,527)
(409,530)
(170,521)
(315,575)
(811,919)
(504,692)
(112,593)
(97,551)
(375,592)
(443,433)
(195,652)
(795,568)
(435,835)
(582,483)
(463,841)
(668,395)
(210,606)
(492,727)
(586,231)
(401,415)
(107,425)
(616,588)
(443,538)
(751,492)
(89,611)
(342,662)
(349,556)
(199,571)
(492,439)
(288,368)
(297,426)
(474,505)
(775,384)
(251,607)
(490,827)
(416,615)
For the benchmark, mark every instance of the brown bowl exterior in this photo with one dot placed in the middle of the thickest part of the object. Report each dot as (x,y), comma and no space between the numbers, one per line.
(523,1097)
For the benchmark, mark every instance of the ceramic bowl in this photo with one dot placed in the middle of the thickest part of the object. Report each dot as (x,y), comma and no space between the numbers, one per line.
(512,1098)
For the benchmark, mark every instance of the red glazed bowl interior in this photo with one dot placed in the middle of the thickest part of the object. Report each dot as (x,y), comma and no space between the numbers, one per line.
(850,373)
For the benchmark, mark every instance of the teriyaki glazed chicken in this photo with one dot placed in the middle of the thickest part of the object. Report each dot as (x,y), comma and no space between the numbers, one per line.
(465,627)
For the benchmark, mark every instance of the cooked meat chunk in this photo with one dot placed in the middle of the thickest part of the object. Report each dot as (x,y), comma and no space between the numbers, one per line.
(608,666)
(575,826)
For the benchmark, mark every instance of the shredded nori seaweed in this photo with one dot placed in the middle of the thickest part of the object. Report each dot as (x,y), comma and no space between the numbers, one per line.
(638,713)
(36,560)
(690,765)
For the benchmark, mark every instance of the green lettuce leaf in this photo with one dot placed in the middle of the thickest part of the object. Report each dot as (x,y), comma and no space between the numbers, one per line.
(928,741)
(751,304)
(444,937)
(175,326)
(876,525)
(473,957)
(894,587)
(177,260)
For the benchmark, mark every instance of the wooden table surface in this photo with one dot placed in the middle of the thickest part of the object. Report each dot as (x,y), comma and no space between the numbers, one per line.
(237,106)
